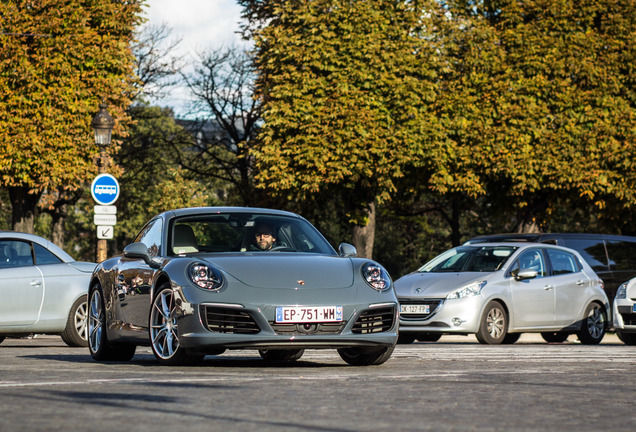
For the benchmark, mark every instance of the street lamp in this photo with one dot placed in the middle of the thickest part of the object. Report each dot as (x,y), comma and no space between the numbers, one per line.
(103,126)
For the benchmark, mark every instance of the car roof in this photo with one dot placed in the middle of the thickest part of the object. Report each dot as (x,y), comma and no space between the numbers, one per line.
(541,237)
(61,254)
(205,210)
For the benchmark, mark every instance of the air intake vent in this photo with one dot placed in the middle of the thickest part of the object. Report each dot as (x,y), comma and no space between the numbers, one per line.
(228,320)
(375,321)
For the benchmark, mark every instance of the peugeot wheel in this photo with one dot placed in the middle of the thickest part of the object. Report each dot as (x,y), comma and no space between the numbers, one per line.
(593,325)
(494,324)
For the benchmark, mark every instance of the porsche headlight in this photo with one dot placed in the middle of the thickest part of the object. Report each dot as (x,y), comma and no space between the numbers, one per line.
(622,291)
(472,289)
(205,276)
(375,275)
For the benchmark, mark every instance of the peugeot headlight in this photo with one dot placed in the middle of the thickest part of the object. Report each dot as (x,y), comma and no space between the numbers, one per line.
(472,289)
(205,276)
(622,291)
(375,275)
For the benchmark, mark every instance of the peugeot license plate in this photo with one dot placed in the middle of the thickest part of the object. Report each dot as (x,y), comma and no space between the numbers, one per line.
(306,314)
(415,308)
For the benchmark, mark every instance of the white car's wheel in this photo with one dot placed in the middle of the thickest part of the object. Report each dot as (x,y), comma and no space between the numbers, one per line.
(75,333)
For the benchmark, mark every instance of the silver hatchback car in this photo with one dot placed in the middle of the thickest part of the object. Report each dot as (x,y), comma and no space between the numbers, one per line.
(498,291)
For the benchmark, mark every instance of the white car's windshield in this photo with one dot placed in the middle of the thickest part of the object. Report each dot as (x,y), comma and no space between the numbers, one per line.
(470,259)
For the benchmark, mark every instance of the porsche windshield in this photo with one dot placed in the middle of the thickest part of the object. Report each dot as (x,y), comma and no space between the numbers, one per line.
(245,232)
(470,259)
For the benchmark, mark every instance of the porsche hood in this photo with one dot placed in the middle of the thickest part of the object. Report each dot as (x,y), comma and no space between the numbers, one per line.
(287,270)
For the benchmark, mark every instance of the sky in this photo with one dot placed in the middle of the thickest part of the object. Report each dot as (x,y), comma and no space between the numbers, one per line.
(201,24)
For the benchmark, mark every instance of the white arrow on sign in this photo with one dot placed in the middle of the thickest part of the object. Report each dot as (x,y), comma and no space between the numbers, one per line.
(105,232)
(102,209)
(105,219)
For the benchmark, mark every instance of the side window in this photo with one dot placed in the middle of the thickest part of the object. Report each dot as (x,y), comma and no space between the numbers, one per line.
(150,236)
(15,253)
(532,260)
(592,251)
(622,255)
(44,256)
(563,262)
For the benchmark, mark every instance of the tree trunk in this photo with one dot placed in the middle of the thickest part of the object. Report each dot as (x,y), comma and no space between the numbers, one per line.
(364,236)
(57,225)
(23,208)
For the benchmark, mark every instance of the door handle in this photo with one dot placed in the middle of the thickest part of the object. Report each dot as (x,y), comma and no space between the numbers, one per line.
(36,283)
(580,282)
(548,287)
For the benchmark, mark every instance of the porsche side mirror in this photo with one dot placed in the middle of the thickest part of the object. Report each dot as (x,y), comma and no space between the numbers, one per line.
(347,250)
(140,251)
(526,274)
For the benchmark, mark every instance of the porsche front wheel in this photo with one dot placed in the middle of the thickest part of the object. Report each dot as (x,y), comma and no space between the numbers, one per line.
(164,331)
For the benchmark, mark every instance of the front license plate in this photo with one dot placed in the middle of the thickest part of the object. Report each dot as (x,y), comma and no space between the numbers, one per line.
(415,309)
(300,314)
(634,308)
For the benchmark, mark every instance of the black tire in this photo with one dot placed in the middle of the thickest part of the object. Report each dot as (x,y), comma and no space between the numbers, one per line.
(98,345)
(365,356)
(593,325)
(406,338)
(281,356)
(75,333)
(428,337)
(493,326)
(555,337)
(627,338)
(511,338)
(163,327)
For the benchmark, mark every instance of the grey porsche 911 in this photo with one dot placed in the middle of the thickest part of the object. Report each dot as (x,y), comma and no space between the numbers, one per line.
(199,281)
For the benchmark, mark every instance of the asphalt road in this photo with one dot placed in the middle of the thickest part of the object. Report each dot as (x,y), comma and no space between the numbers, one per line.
(455,384)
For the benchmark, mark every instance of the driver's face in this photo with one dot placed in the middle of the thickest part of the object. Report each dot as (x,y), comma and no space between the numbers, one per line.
(264,239)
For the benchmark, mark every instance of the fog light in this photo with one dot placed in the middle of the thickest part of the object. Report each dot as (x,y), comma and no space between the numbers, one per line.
(457,321)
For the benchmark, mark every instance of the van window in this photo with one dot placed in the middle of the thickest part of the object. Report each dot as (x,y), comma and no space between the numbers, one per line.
(592,250)
(622,255)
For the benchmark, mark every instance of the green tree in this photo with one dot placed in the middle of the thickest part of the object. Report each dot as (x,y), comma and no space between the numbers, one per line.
(58,60)
(543,102)
(345,87)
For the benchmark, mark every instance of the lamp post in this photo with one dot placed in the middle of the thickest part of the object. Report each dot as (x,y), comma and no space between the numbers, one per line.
(103,126)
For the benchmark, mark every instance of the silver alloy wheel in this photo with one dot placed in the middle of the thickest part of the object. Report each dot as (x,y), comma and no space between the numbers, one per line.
(95,320)
(596,322)
(495,322)
(80,320)
(163,325)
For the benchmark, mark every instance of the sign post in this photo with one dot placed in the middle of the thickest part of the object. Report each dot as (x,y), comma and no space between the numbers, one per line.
(105,191)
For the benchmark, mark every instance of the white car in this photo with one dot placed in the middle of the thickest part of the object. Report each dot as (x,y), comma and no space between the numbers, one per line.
(42,289)
(625,312)
(498,291)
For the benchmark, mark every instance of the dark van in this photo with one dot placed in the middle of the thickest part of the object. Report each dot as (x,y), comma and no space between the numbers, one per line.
(613,257)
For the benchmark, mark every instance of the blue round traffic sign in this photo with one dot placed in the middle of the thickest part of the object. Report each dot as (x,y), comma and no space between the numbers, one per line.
(105,189)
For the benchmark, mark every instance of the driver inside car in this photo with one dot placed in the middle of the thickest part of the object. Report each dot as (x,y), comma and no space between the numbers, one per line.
(265,237)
